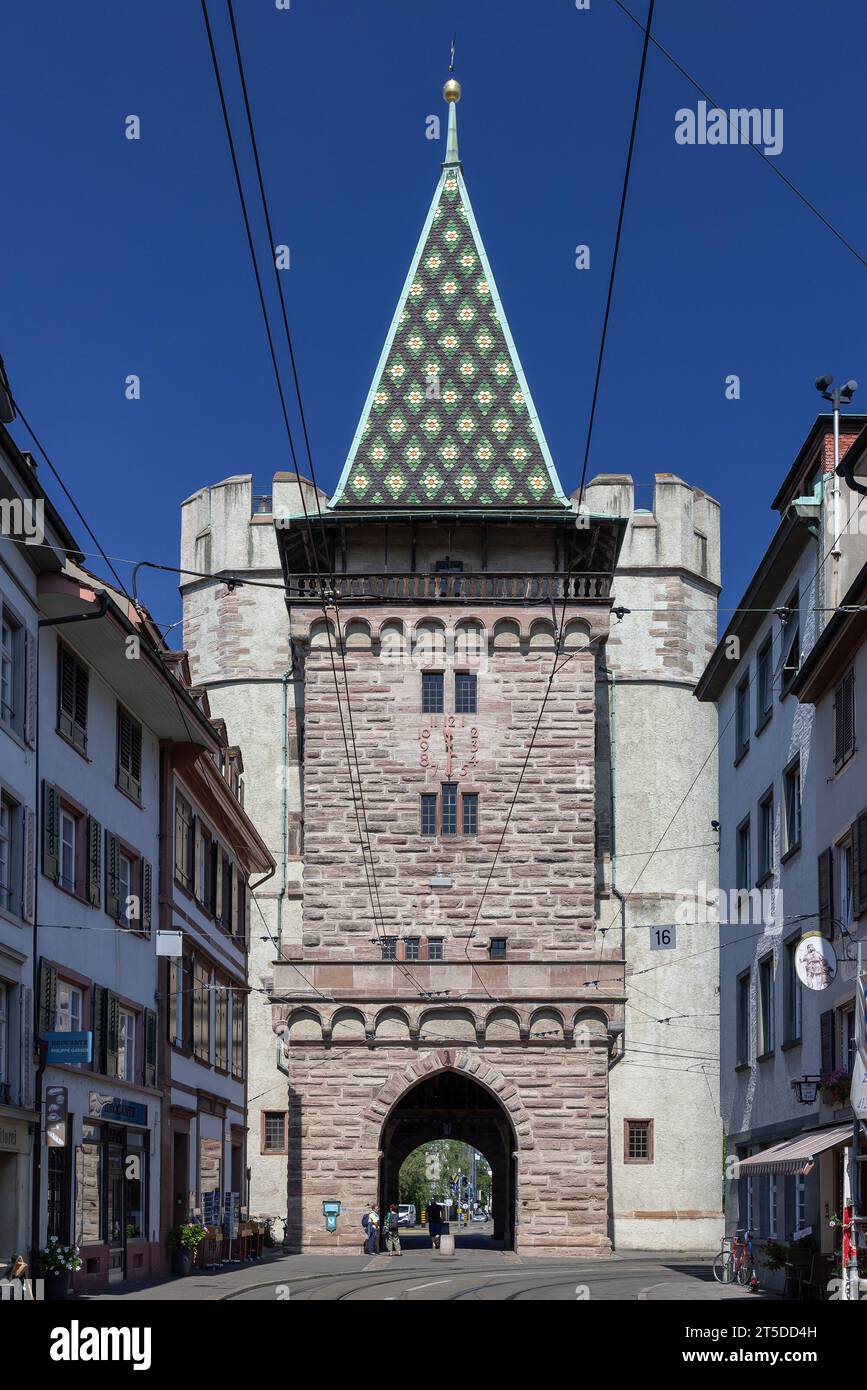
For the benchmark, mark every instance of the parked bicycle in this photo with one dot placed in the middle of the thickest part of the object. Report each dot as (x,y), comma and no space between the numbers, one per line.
(735,1262)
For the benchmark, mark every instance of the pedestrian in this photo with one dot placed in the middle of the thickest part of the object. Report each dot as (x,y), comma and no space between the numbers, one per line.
(373,1230)
(392,1231)
(434,1224)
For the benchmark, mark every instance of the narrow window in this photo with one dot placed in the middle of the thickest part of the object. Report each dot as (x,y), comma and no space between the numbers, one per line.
(389,948)
(498,948)
(428,813)
(69,1008)
(773,1207)
(411,947)
(432,691)
(764,684)
(791,642)
(766,836)
(72,686)
(466,692)
(792,806)
(67,851)
(743,1019)
(126,1045)
(742,718)
(844,719)
(743,855)
(766,1006)
(128,754)
(470,813)
(10,889)
(844,856)
(450,808)
(792,999)
(701,551)
(435,948)
(638,1141)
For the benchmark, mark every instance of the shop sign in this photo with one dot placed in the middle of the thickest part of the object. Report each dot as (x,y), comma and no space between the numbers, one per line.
(68,1048)
(815,961)
(56,1116)
(128,1112)
(14,1136)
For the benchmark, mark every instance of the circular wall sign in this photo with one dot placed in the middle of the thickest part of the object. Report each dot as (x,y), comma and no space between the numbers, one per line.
(815,961)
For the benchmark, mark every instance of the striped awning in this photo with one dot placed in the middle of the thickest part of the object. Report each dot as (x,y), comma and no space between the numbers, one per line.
(794,1155)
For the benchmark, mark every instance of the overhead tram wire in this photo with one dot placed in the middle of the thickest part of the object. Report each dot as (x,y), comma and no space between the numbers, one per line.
(303,418)
(559,640)
(367,856)
(757,148)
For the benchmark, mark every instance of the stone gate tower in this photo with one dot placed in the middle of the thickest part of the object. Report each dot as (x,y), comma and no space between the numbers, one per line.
(448,980)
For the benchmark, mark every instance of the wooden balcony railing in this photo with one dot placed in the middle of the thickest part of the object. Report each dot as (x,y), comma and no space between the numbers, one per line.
(454,588)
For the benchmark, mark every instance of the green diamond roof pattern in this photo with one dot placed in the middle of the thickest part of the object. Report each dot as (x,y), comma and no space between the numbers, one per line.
(449,420)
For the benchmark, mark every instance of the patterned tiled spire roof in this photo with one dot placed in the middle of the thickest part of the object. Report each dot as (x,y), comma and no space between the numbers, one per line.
(449,422)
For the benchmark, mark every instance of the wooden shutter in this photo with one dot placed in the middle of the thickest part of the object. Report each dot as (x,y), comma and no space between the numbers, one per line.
(30,711)
(234,925)
(844,718)
(28,895)
(859,860)
(50,831)
(828,1037)
(99,1024)
(94,860)
(128,754)
(47,997)
(112,881)
(112,1034)
(826,892)
(218,882)
(72,690)
(197,855)
(147,879)
(150,1048)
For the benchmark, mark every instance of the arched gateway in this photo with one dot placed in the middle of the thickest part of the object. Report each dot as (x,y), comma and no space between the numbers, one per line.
(450,970)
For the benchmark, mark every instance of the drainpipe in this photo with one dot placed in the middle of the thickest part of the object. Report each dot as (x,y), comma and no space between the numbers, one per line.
(36,1195)
(287,676)
(611,681)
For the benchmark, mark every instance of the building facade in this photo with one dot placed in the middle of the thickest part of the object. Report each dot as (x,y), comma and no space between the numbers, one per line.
(789,807)
(442,955)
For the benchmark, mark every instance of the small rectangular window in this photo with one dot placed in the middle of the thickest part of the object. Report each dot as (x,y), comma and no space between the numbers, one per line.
(498,948)
(432,692)
(791,645)
(466,692)
(274,1131)
(67,851)
(638,1141)
(470,802)
(450,808)
(792,998)
(389,948)
(411,946)
(744,869)
(435,948)
(126,1045)
(701,551)
(428,813)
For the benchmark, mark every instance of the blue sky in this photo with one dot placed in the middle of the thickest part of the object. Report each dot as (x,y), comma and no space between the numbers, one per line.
(128,257)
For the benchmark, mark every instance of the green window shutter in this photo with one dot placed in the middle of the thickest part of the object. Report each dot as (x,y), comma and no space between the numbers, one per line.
(112,1030)
(28,896)
(218,882)
(827,1036)
(50,831)
(112,882)
(30,713)
(859,857)
(94,860)
(47,997)
(128,754)
(147,889)
(99,1025)
(150,1048)
(826,892)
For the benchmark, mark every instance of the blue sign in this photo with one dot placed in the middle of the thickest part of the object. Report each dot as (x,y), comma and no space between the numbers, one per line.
(129,1112)
(68,1047)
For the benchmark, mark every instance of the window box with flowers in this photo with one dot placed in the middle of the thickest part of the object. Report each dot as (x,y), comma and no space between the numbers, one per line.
(836,1087)
(56,1264)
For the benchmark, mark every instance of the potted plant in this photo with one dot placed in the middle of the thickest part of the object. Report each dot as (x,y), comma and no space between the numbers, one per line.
(56,1265)
(836,1086)
(775,1255)
(183,1242)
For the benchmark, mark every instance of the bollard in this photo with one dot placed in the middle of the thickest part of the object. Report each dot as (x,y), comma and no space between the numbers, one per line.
(447,1245)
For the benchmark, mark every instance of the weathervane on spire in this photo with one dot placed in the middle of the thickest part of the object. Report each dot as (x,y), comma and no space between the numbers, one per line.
(452,89)
(452,61)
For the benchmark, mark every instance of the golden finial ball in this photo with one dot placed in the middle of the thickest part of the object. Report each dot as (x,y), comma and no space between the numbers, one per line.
(452,90)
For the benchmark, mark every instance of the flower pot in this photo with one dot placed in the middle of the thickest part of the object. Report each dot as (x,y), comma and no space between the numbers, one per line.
(58,1285)
(182,1262)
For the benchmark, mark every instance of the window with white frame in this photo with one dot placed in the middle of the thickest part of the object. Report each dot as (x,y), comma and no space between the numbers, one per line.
(800,1202)
(773,1206)
(11,683)
(126,1045)
(766,1005)
(67,850)
(69,1007)
(126,887)
(792,806)
(9,889)
(844,859)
